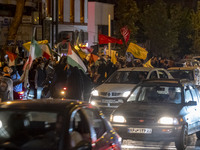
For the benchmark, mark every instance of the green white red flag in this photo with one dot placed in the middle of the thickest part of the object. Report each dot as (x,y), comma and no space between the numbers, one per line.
(35,52)
(74,60)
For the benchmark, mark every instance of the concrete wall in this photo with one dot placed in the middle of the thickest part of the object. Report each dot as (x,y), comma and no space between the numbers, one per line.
(98,15)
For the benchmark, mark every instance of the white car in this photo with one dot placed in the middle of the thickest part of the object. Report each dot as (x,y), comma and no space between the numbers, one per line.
(190,73)
(114,91)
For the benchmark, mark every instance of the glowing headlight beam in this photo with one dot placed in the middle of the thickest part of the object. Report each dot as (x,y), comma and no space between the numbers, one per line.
(126,94)
(119,119)
(168,121)
(62,92)
(93,103)
(95,93)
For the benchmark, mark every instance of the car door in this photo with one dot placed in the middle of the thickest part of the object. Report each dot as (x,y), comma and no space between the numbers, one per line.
(80,131)
(196,108)
(105,136)
(191,112)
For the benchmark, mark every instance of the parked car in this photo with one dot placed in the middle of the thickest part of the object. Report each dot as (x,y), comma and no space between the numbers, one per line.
(160,110)
(114,91)
(55,125)
(190,73)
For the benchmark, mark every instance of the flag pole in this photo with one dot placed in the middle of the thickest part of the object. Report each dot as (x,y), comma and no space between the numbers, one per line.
(34,31)
(109,34)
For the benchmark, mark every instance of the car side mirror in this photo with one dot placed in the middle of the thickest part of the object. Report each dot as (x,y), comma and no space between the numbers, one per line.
(192,103)
(83,145)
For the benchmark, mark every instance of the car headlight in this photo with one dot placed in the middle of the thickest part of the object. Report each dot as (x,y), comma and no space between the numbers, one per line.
(119,119)
(95,93)
(126,94)
(168,121)
(62,92)
(93,102)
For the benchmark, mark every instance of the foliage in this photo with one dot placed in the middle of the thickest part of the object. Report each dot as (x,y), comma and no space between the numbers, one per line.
(183,24)
(160,29)
(196,31)
(126,13)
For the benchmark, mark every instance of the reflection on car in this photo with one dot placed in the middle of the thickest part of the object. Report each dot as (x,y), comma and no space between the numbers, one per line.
(55,125)
(160,110)
(114,91)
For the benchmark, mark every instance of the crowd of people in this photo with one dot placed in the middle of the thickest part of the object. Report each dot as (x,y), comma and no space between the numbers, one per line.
(46,75)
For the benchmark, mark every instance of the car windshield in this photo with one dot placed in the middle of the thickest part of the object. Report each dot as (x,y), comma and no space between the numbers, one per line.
(156,94)
(132,77)
(197,58)
(24,128)
(182,74)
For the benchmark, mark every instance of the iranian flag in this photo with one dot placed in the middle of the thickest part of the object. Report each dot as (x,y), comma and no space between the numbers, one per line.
(74,60)
(35,51)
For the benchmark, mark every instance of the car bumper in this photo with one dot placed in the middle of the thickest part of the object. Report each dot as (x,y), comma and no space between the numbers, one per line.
(106,105)
(159,133)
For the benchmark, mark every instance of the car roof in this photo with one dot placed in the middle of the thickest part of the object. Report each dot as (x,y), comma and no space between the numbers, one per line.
(169,82)
(182,68)
(43,104)
(196,57)
(138,69)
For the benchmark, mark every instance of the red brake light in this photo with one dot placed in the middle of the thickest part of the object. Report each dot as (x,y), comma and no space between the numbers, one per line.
(21,93)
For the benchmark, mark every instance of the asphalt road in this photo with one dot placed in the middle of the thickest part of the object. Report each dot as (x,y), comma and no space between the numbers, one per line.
(194,144)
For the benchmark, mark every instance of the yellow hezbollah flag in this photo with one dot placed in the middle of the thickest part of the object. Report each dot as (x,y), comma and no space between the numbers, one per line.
(148,64)
(28,44)
(137,51)
(113,57)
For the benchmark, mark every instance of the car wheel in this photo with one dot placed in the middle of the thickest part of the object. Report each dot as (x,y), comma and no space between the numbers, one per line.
(182,141)
(198,135)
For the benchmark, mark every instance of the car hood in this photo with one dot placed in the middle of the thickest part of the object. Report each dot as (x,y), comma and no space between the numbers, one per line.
(119,88)
(131,109)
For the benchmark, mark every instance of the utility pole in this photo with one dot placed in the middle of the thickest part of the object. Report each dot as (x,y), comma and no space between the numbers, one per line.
(52,29)
(109,34)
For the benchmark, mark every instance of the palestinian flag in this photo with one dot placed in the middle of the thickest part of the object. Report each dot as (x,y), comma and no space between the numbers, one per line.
(74,60)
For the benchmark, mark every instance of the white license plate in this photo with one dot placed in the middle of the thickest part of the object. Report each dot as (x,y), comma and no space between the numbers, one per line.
(140,130)
(109,101)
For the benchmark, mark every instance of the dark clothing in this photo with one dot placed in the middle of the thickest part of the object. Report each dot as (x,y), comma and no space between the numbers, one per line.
(32,81)
(109,69)
(75,84)
(41,77)
(101,71)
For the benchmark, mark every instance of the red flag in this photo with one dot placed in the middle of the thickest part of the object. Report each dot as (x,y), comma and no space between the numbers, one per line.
(104,39)
(11,55)
(126,33)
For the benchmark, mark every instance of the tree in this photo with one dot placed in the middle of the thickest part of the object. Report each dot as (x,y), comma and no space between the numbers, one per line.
(14,26)
(181,17)
(196,32)
(160,29)
(126,14)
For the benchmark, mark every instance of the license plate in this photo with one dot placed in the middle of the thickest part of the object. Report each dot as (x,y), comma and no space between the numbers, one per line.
(140,130)
(109,101)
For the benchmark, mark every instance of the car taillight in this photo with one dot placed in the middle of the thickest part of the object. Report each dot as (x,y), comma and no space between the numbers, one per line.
(21,93)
